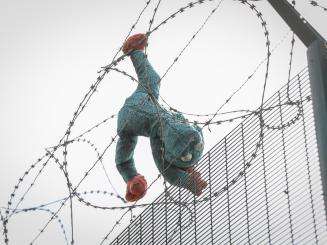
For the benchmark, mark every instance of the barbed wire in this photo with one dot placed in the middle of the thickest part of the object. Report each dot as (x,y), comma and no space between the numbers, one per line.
(65,153)
(219,122)
(259,144)
(49,211)
(77,112)
(73,189)
(65,140)
(316,4)
(151,23)
(243,84)
(42,207)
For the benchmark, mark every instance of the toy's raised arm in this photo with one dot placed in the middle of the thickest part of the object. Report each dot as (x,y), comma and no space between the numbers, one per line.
(147,76)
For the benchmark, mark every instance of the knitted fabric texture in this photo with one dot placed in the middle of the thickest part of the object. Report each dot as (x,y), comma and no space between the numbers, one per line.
(175,143)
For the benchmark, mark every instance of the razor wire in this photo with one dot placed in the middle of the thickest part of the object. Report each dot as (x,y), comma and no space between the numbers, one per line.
(316,4)
(225,160)
(65,141)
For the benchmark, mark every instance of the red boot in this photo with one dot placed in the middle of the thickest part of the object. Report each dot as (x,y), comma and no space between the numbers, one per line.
(197,184)
(136,188)
(135,42)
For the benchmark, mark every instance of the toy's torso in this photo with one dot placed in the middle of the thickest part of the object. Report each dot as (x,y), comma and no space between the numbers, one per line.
(140,116)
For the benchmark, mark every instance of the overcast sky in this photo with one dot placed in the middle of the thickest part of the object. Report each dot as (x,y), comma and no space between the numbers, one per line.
(50,52)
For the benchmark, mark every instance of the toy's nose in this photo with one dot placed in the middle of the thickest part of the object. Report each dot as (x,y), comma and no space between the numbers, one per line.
(187,157)
(199,146)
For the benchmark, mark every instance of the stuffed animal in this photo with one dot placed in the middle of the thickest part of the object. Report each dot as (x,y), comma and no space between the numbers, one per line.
(176,144)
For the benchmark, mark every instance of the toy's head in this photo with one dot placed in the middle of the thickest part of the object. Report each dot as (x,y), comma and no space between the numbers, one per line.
(183,143)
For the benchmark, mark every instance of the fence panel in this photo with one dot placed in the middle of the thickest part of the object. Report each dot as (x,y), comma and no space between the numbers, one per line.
(263,189)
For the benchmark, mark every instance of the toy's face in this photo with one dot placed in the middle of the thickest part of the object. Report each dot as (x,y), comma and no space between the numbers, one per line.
(186,151)
(193,151)
(183,144)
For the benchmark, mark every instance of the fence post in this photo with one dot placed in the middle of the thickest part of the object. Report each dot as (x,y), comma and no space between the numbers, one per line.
(317,62)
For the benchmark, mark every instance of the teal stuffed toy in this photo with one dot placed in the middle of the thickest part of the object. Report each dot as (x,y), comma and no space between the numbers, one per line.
(176,144)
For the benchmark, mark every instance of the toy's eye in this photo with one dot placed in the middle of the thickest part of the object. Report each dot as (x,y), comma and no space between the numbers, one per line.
(198,146)
(187,157)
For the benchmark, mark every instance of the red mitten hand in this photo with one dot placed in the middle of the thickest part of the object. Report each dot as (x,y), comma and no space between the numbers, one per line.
(199,183)
(136,188)
(135,42)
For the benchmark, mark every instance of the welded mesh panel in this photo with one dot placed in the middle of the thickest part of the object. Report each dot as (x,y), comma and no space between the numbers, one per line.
(263,189)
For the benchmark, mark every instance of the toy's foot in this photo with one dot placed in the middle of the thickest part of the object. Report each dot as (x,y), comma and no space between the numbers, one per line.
(135,42)
(136,188)
(197,184)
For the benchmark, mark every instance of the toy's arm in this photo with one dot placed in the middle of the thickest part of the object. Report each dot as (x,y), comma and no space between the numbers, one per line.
(147,76)
(124,156)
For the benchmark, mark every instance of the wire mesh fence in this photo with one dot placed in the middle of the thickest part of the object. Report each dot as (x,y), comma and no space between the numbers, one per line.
(264,184)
